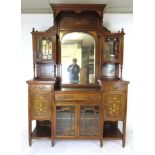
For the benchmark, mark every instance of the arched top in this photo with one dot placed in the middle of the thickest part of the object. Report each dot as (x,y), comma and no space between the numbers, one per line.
(77,35)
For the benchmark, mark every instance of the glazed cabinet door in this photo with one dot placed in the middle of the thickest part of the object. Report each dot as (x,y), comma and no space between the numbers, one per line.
(43,47)
(89,120)
(66,120)
(113,48)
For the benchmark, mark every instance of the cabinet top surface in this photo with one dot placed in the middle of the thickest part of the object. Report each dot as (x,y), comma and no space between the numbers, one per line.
(112,80)
(57,8)
(79,6)
(78,90)
(41,81)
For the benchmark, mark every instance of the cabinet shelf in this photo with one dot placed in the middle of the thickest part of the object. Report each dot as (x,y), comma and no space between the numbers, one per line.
(44,61)
(114,134)
(41,132)
(45,132)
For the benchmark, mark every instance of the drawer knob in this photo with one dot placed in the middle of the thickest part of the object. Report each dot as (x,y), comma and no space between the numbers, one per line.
(114,87)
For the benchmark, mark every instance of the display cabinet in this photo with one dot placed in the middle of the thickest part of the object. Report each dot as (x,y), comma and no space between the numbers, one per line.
(41,88)
(77,47)
(114,88)
(44,54)
(115,108)
(112,54)
(40,95)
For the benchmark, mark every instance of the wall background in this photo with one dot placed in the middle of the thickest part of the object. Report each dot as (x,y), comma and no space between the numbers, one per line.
(41,22)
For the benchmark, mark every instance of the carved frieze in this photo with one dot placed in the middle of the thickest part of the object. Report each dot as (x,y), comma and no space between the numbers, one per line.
(78,23)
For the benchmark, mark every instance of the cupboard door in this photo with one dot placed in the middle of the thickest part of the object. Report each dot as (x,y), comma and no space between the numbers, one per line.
(43,47)
(40,105)
(89,120)
(65,120)
(114,105)
(113,48)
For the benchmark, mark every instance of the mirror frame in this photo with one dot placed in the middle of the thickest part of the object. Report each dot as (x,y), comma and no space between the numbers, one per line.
(97,56)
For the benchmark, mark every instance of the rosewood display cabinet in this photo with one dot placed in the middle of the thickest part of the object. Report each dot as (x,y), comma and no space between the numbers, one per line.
(77,91)
(41,88)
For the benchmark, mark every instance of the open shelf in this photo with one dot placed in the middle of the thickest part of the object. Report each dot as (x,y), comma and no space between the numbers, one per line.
(41,132)
(44,61)
(113,133)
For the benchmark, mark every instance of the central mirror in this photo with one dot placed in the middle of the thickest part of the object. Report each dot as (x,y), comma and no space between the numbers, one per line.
(78,58)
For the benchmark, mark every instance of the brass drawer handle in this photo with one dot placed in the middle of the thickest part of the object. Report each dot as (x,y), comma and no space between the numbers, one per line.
(40,87)
(114,87)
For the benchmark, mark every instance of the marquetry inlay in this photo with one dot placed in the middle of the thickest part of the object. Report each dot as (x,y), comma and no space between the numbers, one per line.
(113,105)
(41,105)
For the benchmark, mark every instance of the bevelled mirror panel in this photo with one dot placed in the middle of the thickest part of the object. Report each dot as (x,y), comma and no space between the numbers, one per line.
(78,58)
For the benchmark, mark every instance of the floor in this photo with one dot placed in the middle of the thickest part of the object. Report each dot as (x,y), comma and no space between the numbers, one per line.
(77,147)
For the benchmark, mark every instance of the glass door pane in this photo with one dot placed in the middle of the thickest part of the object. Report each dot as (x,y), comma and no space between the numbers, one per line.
(111,49)
(89,120)
(65,120)
(44,47)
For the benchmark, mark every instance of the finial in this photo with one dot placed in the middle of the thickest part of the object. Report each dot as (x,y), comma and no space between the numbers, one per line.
(33,29)
(122,30)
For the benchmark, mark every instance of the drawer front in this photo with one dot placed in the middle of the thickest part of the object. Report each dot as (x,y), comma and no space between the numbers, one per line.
(41,87)
(78,97)
(114,87)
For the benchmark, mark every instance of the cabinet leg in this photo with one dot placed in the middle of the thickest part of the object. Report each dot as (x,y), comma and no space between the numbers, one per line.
(30,133)
(52,135)
(101,133)
(124,134)
(101,143)
(52,142)
(123,143)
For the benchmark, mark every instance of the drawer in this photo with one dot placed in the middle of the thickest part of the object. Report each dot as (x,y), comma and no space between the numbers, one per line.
(114,87)
(41,87)
(78,97)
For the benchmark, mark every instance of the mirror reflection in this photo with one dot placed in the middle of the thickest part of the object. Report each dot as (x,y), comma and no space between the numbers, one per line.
(78,58)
